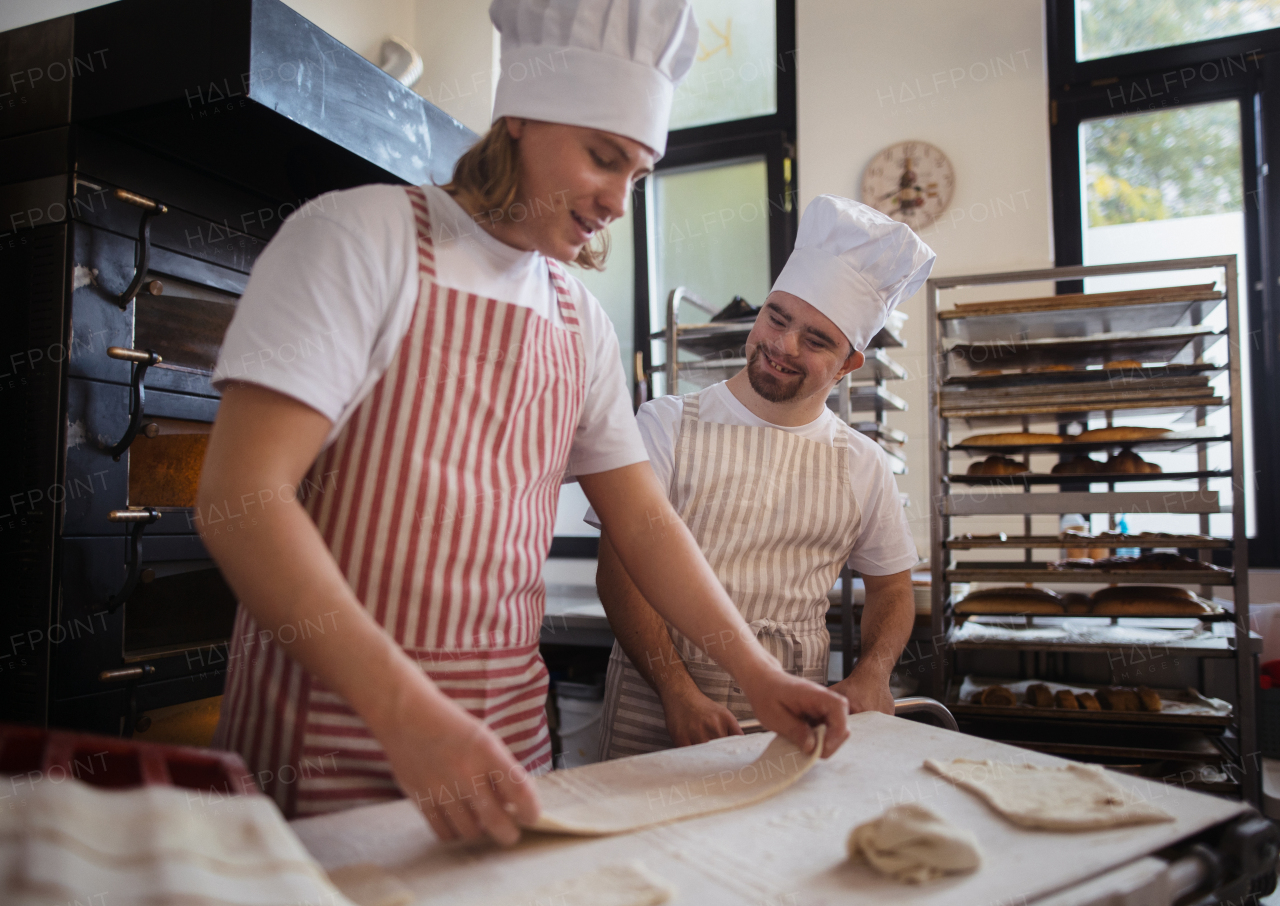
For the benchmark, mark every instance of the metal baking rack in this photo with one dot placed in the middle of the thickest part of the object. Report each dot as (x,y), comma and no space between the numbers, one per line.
(1049,364)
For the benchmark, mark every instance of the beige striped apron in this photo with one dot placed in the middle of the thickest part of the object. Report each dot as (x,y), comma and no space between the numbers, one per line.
(775,515)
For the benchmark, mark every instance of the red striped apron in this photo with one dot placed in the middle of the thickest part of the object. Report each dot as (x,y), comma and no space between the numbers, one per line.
(438,501)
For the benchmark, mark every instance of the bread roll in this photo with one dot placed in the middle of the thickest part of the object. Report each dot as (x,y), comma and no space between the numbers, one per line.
(1125,592)
(1150,607)
(1119,433)
(1039,696)
(1087,701)
(1012,439)
(1126,462)
(1149,699)
(1064,699)
(997,465)
(1015,600)
(998,696)
(1113,699)
(1079,465)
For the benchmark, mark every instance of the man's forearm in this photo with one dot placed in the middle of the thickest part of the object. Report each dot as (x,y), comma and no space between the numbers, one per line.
(887,619)
(636,625)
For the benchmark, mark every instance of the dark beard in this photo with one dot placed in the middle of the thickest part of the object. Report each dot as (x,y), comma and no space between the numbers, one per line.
(760,376)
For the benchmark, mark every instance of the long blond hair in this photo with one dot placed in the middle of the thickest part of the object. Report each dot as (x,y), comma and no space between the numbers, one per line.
(486,178)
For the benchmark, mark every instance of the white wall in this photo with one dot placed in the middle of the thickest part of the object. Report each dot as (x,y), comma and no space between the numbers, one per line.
(871,74)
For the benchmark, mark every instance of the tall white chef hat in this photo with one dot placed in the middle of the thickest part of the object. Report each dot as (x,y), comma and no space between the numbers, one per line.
(854,265)
(607,64)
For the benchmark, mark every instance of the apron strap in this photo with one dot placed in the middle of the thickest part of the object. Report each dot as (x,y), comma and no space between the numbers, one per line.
(560,281)
(422,224)
(784,632)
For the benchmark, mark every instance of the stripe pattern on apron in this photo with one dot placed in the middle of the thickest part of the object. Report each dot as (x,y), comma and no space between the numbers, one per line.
(438,501)
(775,516)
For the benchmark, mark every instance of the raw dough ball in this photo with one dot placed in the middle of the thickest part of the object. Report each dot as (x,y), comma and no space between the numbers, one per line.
(913,845)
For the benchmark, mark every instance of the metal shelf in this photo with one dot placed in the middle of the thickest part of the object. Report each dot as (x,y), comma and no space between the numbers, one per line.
(1032,542)
(1163,329)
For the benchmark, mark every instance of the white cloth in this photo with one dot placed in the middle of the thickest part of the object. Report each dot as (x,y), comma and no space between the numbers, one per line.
(854,264)
(606,64)
(331,297)
(884,545)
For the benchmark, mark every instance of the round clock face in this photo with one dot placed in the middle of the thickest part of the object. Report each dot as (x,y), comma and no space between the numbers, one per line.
(912,182)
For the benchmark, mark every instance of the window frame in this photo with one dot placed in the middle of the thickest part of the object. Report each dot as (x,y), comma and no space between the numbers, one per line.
(772,137)
(1128,83)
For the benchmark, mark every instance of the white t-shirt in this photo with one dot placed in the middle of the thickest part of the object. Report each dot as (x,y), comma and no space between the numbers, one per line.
(884,545)
(332,295)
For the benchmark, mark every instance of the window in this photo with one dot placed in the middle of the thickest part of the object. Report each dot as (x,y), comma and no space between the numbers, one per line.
(1159,134)
(734,75)
(1108,28)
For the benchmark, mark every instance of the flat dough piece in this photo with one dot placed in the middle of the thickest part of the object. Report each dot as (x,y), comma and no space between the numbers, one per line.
(367,884)
(913,845)
(614,797)
(627,884)
(1076,797)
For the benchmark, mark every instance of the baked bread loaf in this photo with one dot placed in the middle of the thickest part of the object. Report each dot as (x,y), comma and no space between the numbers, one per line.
(1087,701)
(1148,601)
(1119,433)
(1041,369)
(1128,462)
(1113,699)
(1039,696)
(997,696)
(1122,363)
(1079,465)
(1013,600)
(1125,592)
(997,465)
(1149,699)
(1064,699)
(1009,439)
(1077,602)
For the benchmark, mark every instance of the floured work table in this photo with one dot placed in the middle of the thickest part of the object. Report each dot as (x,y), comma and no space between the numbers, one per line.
(790,850)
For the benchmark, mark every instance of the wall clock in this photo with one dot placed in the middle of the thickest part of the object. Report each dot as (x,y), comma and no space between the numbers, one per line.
(912,182)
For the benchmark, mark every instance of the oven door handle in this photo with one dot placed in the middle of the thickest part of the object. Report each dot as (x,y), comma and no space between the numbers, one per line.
(142,360)
(137,520)
(142,256)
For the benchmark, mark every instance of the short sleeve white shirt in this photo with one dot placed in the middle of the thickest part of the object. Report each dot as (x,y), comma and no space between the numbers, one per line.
(331,298)
(884,544)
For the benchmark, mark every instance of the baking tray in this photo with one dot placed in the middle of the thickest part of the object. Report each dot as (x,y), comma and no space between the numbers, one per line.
(1165,345)
(1081,314)
(1082,375)
(1177,440)
(1022,479)
(1199,715)
(1016,572)
(1173,638)
(1051,541)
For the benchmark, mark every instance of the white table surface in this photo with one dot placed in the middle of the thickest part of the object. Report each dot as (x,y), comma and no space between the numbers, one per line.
(789,850)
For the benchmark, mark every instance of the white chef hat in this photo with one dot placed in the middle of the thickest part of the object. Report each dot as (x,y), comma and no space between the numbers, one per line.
(606,64)
(854,265)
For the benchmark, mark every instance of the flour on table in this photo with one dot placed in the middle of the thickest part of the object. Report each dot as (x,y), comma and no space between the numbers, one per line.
(626,884)
(1068,798)
(367,884)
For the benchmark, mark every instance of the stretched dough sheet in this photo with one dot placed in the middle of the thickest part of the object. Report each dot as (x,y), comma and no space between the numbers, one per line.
(614,797)
(1074,797)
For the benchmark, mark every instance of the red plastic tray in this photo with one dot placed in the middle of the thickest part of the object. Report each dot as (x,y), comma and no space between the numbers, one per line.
(106,761)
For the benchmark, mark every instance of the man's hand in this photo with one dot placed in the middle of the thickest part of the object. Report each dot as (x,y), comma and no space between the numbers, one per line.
(693,718)
(792,706)
(867,690)
(462,777)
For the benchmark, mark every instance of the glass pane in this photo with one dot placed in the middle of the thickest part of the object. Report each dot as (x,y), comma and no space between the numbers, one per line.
(1169,185)
(735,74)
(1105,28)
(709,234)
(615,287)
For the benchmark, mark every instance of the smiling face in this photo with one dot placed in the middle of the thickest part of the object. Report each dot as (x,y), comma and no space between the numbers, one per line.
(573,182)
(795,351)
